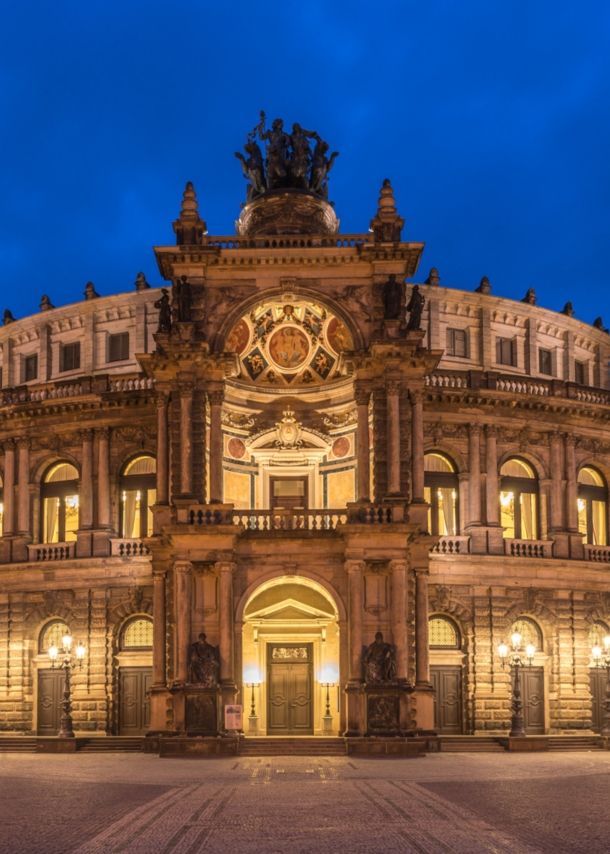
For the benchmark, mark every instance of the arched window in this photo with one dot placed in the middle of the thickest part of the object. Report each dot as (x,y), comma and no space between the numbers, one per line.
(443,633)
(597,633)
(529,631)
(519,500)
(52,634)
(138,494)
(441,493)
(59,494)
(592,506)
(137,634)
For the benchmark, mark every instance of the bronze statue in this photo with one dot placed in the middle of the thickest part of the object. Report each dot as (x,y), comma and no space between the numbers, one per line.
(301,156)
(165,312)
(392,298)
(253,168)
(203,663)
(320,167)
(415,307)
(183,298)
(380,666)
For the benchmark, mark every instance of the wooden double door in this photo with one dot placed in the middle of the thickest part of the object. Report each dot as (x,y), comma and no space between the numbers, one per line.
(447,683)
(598,677)
(532,694)
(134,703)
(50,691)
(290,689)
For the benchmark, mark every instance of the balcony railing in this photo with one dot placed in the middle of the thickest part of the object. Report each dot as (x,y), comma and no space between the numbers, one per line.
(528,548)
(599,554)
(51,551)
(124,547)
(290,520)
(452,546)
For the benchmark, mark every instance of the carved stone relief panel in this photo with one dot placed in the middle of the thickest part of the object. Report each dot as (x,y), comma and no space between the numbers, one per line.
(375,593)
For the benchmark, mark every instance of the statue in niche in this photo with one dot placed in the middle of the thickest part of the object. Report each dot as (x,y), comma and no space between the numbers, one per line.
(253,168)
(392,298)
(203,664)
(415,307)
(379,662)
(183,299)
(320,167)
(165,312)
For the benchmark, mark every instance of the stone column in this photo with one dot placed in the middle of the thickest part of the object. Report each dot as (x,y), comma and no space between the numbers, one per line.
(422,664)
(363,396)
(399,617)
(85,498)
(23,519)
(393,392)
(186,439)
(162,449)
(492,484)
(474,483)
(225,620)
(183,581)
(354,569)
(556,478)
(572,483)
(238,650)
(9,488)
(417,446)
(159,678)
(103,478)
(216,397)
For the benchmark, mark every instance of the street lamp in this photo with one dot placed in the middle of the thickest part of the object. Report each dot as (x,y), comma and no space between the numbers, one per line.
(601,658)
(68,661)
(515,661)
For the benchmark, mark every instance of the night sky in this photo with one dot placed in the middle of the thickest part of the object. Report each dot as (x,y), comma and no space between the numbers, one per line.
(491,119)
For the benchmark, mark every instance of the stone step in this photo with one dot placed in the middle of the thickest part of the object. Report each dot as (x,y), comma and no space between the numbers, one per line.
(468,744)
(17,744)
(280,746)
(113,744)
(574,742)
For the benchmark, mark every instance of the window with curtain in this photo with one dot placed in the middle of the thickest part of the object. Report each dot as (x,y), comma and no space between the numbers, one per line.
(441,493)
(592,506)
(519,500)
(443,633)
(138,494)
(529,631)
(137,634)
(59,493)
(52,635)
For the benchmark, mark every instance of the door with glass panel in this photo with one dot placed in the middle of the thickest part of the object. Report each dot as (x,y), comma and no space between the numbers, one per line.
(592,506)
(519,500)
(59,494)
(138,494)
(441,487)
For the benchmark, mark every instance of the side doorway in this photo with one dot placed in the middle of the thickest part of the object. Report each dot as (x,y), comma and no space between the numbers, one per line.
(447,683)
(290,689)
(50,690)
(134,703)
(532,690)
(597,678)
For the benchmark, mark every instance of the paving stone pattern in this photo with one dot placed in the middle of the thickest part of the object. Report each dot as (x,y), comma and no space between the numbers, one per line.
(443,804)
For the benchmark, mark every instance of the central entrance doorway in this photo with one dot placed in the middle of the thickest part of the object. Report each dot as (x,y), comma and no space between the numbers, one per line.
(290,689)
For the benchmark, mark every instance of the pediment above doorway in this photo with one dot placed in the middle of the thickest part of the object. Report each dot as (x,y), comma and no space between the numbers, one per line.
(289,610)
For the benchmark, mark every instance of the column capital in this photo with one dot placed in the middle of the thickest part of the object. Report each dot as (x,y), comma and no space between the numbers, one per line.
(102,432)
(421,571)
(569,439)
(491,431)
(186,389)
(159,574)
(86,435)
(362,394)
(354,565)
(216,396)
(555,438)
(416,396)
(225,566)
(474,429)
(183,566)
(24,442)
(161,399)
(8,445)
(398,565)
(393,387)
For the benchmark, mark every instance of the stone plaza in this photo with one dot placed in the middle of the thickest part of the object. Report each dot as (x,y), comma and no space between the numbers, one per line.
(474,803)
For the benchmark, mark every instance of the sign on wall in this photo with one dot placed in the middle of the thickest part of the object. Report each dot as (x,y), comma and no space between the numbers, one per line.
(233,717)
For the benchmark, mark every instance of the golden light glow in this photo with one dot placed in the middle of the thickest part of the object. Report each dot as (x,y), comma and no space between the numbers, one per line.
(516,639)
(506,498)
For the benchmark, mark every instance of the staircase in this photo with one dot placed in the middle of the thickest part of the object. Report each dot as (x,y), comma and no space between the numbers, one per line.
(574,742)
(17,744)
(285,746)
(113,744)
(469,744)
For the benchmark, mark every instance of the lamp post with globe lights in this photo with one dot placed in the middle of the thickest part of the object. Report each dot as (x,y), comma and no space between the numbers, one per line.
(601,658)
(516,659)
(67,660)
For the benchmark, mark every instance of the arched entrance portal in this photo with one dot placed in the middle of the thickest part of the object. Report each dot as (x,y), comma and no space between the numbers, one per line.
(291,653)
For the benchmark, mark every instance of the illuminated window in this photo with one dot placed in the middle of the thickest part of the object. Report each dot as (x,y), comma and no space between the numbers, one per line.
(441,493)
(137,634)
(529,631)
(138,494)
(59,493)
(597,633)
(443,633)
(518,500)
(52,635)
(592,506)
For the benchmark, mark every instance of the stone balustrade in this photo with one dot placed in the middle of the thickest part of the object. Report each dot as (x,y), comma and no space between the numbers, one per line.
(528,548)
(452,545)
(125,547)
(290,520)
(288,242)
(130,383)
(598,554)
(51,552)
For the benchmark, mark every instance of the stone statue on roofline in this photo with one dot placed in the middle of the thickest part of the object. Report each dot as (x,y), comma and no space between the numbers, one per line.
(165,312)
(392,298)
(415,307)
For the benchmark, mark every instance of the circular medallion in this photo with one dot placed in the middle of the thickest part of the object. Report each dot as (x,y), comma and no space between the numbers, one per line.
(289,347)
(341,446)
(238,338)
(236,448)
(338,336)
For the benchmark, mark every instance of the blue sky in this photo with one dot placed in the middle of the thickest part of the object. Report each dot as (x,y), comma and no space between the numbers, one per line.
(491,119)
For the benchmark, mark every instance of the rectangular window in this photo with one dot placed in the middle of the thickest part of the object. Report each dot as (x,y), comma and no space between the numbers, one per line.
(31,368)
(506,351)
(457,343)
(545,362)
(118,347)
(70,357)
(579,373)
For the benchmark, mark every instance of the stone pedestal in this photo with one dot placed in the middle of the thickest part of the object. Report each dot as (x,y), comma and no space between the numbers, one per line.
(160,699)
(354,694)
(422,711)
(253,725)
(327,725)
(197,710)
(387,710)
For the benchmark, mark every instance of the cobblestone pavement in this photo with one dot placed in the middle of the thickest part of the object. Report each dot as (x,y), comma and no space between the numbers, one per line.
(443,804)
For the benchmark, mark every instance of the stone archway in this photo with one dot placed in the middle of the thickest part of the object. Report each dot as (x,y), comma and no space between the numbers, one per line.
(290,651)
